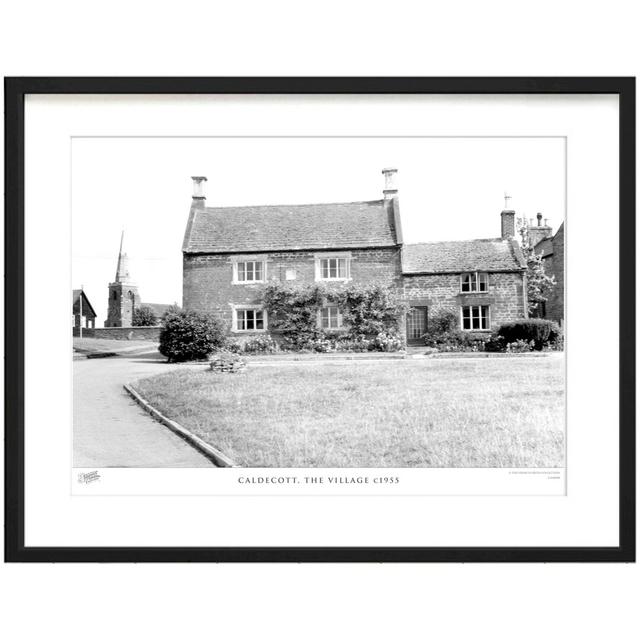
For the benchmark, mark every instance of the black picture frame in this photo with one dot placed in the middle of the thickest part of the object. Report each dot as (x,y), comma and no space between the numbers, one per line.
(15,91)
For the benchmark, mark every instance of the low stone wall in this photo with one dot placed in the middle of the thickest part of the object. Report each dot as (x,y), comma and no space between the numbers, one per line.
(120,333)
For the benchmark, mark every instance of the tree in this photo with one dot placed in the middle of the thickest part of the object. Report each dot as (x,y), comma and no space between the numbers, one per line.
(539,284)
(144,317)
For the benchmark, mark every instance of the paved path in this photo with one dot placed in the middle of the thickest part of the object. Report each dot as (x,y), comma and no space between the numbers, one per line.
(111,430)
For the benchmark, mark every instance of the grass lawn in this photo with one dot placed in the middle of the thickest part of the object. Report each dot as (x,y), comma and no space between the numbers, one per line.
(94,345)
(503,412)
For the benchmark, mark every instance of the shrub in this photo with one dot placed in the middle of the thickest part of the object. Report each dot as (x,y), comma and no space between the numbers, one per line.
(444,334)
(144,317)
(556,344)
(444,321)
(387,341)
(520,346)
(495,344)
(187,335)
(541,332)
(358,343)
(232,346)
(322,344)
(260,344)
(455,341)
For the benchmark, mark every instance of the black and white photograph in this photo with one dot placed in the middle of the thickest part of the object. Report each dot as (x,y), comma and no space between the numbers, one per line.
(318,302)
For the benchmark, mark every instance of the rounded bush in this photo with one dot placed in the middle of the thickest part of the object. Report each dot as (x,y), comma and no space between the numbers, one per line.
(537,330)
(187,335)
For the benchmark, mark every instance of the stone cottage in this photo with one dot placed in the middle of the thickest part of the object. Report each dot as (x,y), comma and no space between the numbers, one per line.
(230,253)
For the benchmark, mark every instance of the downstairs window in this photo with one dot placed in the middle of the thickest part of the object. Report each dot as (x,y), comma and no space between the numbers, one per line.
(249,320)
(475,318)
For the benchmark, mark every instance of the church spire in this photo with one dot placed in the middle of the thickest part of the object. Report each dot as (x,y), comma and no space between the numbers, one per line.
(122,271)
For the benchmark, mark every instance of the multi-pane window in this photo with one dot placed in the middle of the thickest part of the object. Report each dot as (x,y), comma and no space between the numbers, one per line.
(249,319)
(475,317)
(334,268)
(474,282)
(330,318)
(250,271)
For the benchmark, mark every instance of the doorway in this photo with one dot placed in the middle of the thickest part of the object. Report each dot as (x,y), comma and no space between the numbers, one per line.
(416,325)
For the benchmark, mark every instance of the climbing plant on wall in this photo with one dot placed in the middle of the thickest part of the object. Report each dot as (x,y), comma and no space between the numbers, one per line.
(368,311)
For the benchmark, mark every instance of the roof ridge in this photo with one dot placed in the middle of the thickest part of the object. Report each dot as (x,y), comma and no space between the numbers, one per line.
(416,244)
(304,204)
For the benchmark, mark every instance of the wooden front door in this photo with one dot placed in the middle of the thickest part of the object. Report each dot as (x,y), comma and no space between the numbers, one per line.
(416,324)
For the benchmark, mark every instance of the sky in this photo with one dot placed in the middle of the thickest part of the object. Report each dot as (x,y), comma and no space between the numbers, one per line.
(449,189)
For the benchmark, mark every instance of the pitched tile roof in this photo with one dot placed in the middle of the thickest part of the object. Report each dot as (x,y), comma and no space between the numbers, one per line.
(86,305)
(285,227)
(493,254)
(545,247)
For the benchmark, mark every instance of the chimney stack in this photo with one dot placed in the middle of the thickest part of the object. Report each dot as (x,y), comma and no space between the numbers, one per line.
(198,187)
(508,226)
(540,231)
(390,188)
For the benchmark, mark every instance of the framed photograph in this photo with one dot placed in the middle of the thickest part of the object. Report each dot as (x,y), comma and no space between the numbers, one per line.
(320,319)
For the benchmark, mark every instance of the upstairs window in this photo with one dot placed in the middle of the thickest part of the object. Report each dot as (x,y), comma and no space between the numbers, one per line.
(475,318)
(475,282)
(333,267)
(330,318)
(249,271)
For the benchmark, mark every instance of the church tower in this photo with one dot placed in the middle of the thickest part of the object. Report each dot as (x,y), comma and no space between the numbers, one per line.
(123,294)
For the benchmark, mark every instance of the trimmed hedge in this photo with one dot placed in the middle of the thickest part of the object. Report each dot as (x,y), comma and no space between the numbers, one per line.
(187,335)
(542,333)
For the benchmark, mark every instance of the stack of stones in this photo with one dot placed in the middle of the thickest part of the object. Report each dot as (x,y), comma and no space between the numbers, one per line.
(227,363)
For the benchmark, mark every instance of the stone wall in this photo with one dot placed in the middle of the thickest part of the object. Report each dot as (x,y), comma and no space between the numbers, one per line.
(505,296)
(120,333)
(208,283)
(208,279)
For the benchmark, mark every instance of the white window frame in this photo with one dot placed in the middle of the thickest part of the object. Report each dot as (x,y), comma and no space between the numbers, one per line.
(475,282)
(319,257)
(244,259)
(339,316)
(479,306)
(248,307)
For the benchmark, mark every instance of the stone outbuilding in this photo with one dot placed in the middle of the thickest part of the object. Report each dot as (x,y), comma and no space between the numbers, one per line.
(82,314)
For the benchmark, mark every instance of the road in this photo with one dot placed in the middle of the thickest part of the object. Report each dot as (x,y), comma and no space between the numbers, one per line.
(111,430)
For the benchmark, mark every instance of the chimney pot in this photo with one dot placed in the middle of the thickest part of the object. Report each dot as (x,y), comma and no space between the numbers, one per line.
(198,187)
(546,220)
(539,217)
(390,188)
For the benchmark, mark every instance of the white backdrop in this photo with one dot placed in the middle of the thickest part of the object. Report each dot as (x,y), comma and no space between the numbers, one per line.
(586,516)
(372,38)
